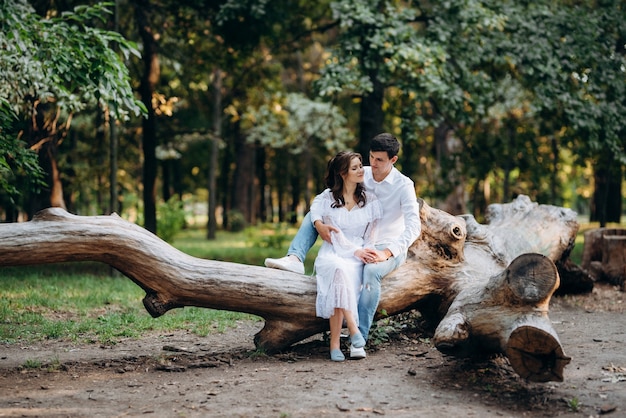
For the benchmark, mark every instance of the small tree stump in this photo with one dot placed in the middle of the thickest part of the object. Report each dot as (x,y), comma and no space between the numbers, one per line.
(604,255)
(614,259)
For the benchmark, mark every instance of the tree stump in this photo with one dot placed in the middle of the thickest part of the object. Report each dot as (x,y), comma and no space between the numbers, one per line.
(486,287)
(604,255)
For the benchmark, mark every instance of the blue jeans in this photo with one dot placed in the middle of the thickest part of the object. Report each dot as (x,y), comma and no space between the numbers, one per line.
(372,273)
(370,295)
(305,239)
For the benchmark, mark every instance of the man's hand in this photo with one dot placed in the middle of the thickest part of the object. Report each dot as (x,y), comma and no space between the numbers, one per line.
(324,230)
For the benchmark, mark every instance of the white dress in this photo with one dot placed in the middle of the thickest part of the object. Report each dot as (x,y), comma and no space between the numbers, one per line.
(338,272)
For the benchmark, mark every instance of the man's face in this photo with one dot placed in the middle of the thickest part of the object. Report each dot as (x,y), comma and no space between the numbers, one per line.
(381,164)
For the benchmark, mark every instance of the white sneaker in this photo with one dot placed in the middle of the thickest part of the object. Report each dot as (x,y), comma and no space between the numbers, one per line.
(286,263)
(357,353)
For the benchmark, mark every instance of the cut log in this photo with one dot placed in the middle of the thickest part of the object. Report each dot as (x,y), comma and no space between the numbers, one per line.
(509,314)
(604,255)
(614,259)
(486,286)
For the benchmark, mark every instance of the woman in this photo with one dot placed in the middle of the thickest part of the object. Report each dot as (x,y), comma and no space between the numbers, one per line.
(339,265)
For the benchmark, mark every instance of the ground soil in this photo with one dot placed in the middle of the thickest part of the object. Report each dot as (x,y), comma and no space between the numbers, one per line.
(183,375)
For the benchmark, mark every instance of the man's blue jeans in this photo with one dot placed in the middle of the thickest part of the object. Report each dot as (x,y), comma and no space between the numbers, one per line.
(370,295)
(304,239)
(372,273)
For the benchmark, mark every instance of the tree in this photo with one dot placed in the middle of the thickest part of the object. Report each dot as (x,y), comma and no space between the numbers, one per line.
(46,81)
(303,128)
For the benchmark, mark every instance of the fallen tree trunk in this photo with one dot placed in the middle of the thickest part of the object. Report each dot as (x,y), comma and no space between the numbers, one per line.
(458,273)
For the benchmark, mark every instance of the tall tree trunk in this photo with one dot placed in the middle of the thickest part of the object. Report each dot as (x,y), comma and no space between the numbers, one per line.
(295,192)
(113,147)
(282,175)
(166,178)
(45,136)
(113,138)
(508,160)
(56,187)
(307,155)
(149,80)
(243,178)
(214,149)
(450,172)
(100,148)
(264,210)
(371,116)
(607,194)
(554,173)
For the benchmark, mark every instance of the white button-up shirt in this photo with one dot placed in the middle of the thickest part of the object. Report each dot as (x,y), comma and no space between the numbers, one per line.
(400,225)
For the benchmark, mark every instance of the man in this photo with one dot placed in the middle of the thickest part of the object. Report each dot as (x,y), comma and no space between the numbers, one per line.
(398,229)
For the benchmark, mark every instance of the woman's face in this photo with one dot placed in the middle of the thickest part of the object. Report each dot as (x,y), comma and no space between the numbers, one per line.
(355,171)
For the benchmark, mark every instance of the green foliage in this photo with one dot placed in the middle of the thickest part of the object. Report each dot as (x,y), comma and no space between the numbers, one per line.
(16,161)
(530,95)
(574,404)
(170,218)
(514,82)
(63,59)
(293,121)
(31,364)
(236,221)
(269,236)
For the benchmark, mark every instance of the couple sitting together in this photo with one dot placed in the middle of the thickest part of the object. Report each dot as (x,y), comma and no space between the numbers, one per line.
(368,217)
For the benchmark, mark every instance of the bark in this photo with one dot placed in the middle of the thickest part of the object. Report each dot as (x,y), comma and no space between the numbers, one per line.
(149,81)
(216,118)
(487,286)
(371,115)
(243,176)
(45,134)
(604,255)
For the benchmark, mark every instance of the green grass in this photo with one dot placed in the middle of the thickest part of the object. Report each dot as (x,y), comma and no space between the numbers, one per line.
(90,302)
(39,304)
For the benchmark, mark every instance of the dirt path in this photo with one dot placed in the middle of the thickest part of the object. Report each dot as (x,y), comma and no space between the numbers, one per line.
(182,375)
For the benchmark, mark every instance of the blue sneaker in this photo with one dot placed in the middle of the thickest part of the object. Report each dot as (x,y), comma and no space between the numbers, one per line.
(337,355)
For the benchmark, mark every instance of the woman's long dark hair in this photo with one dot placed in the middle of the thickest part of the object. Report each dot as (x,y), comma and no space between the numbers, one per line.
(338,166)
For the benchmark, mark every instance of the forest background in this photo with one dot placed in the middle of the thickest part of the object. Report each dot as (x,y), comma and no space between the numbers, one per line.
(230,109)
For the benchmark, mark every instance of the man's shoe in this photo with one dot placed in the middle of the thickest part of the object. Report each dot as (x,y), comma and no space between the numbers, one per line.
(357,353)
(357,340)
(285,263)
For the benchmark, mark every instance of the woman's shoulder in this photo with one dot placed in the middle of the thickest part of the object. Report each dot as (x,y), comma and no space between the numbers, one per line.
(326,197)
(325,193)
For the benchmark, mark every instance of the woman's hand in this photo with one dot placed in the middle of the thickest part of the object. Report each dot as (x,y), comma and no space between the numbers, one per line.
(371,255)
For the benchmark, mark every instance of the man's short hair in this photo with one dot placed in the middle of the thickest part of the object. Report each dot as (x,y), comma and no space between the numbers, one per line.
(385,142)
